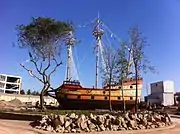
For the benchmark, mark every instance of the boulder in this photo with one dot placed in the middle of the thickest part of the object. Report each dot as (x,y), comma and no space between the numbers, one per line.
(108,124)
(102,127)
(55,123)
(92,127)
(72,116)
(73,130)
(115,127)
(132,124)
(73,123)
(67,124)
(100,120)
(61,119)
(91,116)
(59,129)
(83,125)
(49,128)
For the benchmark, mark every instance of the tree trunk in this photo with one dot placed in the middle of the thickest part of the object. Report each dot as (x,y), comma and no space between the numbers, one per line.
(110,105)
(42,100)
(122,89)
(136,101)
(43,92)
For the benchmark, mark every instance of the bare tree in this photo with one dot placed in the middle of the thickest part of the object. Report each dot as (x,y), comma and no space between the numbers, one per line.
(122,69)
(109,72)
(43,37)
(141,64)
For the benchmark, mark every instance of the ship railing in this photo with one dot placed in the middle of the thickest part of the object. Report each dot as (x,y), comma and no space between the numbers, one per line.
(74,82)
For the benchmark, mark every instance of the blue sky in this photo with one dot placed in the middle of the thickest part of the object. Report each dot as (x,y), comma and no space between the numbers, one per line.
(159,20)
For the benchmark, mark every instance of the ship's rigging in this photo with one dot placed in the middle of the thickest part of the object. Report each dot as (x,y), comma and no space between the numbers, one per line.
(99,31)
(71,71)
(72,95)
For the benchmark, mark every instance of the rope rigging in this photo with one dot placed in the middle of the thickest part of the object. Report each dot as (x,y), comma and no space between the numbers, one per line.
(100,28)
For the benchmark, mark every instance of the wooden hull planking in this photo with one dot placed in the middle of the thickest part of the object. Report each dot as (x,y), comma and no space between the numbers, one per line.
(72,96)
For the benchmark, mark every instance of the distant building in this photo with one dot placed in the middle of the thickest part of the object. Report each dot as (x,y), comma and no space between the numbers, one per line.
(162,93)
(10,83)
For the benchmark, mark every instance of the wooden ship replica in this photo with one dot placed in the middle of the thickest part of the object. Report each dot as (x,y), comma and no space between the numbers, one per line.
(71,95)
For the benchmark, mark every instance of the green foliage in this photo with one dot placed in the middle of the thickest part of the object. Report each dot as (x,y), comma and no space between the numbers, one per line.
(35,93)
(43,35)
(43,38)
(122,63)
(141,64)
(109,70)
(22,92)
(28,92)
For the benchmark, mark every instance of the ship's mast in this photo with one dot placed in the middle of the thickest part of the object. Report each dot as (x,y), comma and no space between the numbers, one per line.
(70,41)
(130,60)
(97,32)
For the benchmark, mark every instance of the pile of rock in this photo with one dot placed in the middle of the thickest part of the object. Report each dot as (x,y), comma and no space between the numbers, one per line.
(13,105)
(16,102)
(73,123)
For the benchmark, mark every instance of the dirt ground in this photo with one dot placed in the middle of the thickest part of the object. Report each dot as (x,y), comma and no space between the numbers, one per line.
(22,127)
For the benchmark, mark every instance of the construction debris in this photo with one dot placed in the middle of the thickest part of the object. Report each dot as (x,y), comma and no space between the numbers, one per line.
(13,105)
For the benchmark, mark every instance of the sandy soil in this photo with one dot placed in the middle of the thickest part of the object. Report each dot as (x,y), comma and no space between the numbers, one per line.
(22,127)
(16,127)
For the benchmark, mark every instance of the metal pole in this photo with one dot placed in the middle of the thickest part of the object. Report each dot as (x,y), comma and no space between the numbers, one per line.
(97,32)
(97,61)
(69,42)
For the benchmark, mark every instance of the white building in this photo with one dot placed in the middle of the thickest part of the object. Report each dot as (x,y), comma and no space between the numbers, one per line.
(13,84)
(10,83)
(162,93)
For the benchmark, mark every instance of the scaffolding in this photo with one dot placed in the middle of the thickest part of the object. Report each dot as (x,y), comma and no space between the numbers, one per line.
(10,83)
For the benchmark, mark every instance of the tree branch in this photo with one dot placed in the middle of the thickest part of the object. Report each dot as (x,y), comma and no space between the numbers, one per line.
(49,63)
(57,65)
(32,74)
(32,59)
(39,70)
(40,67)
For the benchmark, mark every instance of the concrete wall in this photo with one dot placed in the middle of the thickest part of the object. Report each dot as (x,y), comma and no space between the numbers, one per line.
(168,99)
(162,87)
(162,92)
(168,86)
(27,98)
(10,83)
(157,87)
(156,98)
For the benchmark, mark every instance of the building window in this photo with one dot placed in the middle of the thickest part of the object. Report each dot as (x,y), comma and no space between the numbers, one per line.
(78,96)
(105,97)
(131,87)
(133,84)
(119,87)
(131,98)
(104,92)
(119,98)
(92,97)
